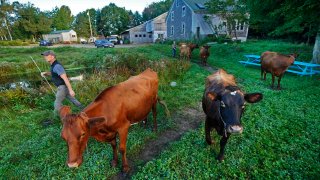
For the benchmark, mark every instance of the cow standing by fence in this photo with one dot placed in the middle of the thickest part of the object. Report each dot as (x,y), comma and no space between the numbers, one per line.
(276,64)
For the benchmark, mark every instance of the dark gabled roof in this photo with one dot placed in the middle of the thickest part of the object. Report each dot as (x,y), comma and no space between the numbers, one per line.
(196,5)
(60,31)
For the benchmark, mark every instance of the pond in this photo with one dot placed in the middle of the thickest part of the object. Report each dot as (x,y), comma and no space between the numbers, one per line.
(34,80)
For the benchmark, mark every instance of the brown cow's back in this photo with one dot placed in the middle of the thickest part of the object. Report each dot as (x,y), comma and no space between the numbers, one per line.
(129,100)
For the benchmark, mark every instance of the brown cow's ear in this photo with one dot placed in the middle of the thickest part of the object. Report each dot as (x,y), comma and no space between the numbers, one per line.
(96,121)
(253,97)
(83,115)
(212,95)
(64,111)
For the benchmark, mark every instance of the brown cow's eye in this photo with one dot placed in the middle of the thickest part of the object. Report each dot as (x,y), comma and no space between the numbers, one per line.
(82,135)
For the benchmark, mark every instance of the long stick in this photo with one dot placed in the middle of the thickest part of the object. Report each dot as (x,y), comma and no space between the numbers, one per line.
(43,76)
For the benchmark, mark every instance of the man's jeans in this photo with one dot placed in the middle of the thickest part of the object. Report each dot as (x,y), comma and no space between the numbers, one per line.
(63,93)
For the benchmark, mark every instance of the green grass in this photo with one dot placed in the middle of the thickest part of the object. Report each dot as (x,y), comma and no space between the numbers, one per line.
(281,133)
(280,139)
(30,149)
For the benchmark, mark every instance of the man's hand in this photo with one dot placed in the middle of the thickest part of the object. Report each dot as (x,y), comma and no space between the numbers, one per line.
(43,74)
(71,92)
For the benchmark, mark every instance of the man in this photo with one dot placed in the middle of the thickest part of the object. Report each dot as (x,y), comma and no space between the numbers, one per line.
(174,49)
(60,79)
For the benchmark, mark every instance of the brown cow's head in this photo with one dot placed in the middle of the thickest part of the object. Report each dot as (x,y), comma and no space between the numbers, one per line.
(76,131)
(206,47)
(230,104)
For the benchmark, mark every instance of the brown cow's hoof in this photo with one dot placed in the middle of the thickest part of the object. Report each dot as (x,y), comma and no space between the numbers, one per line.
(125,169)
(114,163)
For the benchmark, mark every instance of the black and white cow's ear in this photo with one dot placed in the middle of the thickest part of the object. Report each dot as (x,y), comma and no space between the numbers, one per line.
(253,97)
(212,95)
(95,121)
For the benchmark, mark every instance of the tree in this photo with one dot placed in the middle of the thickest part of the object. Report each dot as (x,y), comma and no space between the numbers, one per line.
(316,50)
(232,11)
(81,24)
(113,20)
(286,19)
(32,22)
(5,10)
(135,18)
(155,9)
(62,19)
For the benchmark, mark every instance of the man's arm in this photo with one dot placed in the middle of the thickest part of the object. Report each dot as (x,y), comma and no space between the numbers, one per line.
(66,80)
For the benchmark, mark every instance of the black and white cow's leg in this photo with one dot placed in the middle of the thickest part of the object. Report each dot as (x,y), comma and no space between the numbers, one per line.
(208,129)
(223,143)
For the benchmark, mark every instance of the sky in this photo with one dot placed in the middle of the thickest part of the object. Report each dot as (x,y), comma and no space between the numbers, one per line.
(77,6)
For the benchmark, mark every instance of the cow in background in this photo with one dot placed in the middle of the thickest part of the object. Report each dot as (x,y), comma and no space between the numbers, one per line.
(112,112)
(204,54)
(184,51)
(276,64)
(223,103)
(192,46)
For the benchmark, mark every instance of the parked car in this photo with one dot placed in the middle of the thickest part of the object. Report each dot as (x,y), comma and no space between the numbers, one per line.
(114,40)
(45,43)
(83,41)
(103,43)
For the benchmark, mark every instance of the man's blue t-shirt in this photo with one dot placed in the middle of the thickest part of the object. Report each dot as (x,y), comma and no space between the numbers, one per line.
(58,69)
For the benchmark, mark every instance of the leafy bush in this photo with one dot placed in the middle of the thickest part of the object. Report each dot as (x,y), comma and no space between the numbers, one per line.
(14,43)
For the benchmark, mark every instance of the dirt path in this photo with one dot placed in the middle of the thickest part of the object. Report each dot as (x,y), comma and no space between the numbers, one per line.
(185,120)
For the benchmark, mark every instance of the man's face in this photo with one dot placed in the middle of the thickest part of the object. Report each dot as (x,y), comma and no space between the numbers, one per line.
(49,58)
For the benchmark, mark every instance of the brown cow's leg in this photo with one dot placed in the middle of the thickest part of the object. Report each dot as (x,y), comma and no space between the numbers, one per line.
(114,161)
(272,80)
(154,113)
(207,131)
(223,143)
(123,134)
(279,79)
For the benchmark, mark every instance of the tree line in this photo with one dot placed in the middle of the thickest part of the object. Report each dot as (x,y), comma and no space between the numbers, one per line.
(25,21)
(295,19)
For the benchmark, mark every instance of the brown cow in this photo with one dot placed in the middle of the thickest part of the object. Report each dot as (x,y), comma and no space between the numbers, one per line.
(204,54)
(184,51)
(276,64)
(111,113)
(191,48)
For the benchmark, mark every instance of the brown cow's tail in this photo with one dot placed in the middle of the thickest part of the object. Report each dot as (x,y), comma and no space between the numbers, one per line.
(164,105)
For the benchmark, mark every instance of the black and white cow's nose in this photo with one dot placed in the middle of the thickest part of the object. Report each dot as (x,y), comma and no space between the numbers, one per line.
(235,129)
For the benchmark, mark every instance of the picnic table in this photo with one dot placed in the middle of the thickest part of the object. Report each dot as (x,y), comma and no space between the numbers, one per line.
(298,67)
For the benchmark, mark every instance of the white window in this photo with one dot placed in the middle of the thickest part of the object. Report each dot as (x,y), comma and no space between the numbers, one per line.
(177,3)
(183,28)
(183,11)
(172,15)
(172,30)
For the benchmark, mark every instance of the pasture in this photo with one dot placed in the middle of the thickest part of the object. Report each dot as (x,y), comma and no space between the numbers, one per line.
(280,138)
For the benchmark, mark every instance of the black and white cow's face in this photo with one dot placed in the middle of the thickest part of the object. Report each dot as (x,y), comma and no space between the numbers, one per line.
(232,105)
(231,109)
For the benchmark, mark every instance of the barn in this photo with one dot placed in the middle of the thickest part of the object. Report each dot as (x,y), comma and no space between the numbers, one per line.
(62,36)
(148,32)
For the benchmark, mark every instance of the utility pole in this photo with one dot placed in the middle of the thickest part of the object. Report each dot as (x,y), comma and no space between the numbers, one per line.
(90,25)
